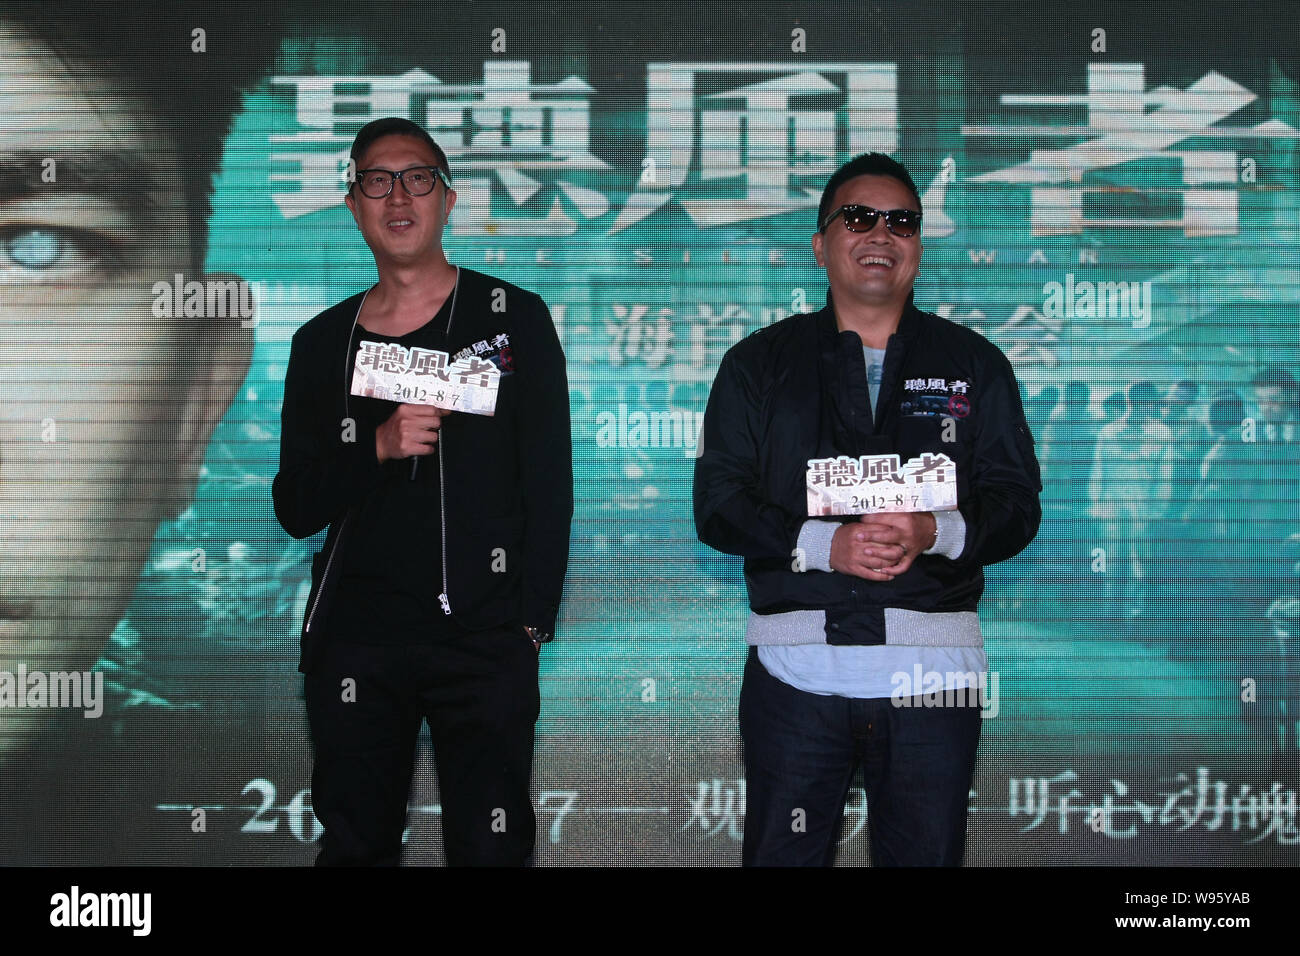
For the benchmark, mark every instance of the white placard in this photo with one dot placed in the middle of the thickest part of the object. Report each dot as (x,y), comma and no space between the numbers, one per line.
(419,376)
(881,483)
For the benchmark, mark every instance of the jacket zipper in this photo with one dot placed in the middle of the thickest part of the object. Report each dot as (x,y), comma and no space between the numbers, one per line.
(443,599)
(325,575)
(329,562)
(442,509)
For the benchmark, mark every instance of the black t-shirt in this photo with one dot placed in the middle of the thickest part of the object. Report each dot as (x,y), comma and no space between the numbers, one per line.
(391,574)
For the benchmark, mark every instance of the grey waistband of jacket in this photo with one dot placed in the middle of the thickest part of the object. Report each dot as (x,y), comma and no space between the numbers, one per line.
(902,627)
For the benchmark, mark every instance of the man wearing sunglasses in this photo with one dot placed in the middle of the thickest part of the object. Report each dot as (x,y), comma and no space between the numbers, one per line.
(856,621)
(448,540)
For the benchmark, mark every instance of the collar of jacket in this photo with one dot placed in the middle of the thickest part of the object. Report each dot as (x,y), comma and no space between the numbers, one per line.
(909,324)
(844,375)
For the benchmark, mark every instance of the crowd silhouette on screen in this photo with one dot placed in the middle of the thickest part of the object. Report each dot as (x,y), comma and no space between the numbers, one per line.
(1183,512)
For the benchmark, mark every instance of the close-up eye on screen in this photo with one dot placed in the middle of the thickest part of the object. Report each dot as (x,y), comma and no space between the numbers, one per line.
(628,435)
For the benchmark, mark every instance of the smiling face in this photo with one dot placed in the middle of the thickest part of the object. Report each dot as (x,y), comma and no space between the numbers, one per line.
(105,410)
(401,229)
(870,269)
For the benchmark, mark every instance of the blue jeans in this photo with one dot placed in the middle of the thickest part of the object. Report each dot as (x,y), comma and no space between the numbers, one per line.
(802,750)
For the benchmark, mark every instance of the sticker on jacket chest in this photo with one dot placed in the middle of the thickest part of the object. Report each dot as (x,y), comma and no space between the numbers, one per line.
(495,349)
(417,376)
(935,398)
(874,484)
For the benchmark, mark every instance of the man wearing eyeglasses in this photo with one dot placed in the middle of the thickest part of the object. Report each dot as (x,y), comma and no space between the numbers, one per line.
(443,568)
(864,628)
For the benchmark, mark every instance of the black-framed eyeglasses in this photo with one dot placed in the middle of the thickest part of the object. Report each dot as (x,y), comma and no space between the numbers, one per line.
(901,222)
(416,180)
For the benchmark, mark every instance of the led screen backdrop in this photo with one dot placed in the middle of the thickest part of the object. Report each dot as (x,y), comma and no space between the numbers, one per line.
(1109,198)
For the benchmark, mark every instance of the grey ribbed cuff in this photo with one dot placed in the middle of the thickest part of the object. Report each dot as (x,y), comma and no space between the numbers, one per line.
(815,543)
(951,540)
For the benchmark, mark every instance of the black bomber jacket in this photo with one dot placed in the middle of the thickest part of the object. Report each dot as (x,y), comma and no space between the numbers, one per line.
(797,390)
(507,479)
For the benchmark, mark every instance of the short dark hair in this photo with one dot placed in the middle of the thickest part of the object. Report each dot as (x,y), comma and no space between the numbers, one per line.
(1270,376)
(146,47)
(376,130)
(1143,395)
(868,164)
(1226,412)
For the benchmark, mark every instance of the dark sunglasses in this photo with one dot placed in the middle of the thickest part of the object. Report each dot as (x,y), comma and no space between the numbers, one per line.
(901,222)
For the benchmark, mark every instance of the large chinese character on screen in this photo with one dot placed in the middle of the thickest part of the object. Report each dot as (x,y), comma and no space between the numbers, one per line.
(512,144)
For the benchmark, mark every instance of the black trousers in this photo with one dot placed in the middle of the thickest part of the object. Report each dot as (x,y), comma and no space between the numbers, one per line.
(366,702)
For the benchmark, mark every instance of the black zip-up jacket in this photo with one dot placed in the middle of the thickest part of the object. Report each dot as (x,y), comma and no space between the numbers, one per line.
(797,390)
(507,479)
